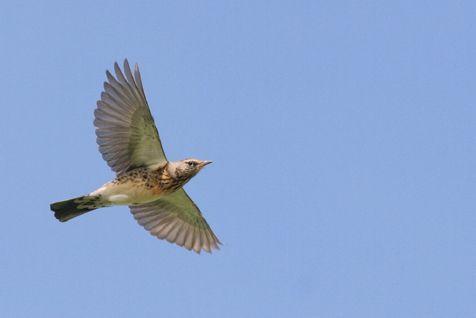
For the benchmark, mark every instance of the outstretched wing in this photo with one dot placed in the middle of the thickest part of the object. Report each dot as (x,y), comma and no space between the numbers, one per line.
(125,130)
(178,220)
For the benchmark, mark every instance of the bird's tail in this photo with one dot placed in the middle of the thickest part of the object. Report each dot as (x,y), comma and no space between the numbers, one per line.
(66,210)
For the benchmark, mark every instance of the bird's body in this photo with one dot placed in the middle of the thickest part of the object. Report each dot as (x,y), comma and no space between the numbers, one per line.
(139,186)
(146,181)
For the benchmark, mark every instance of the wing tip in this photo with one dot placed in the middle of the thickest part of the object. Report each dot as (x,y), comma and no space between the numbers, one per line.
(126,64)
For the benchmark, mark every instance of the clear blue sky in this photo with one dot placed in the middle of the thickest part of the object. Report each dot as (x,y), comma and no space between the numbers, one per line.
(343,140)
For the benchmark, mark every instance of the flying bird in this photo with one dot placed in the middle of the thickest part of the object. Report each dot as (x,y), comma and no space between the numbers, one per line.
(145,180)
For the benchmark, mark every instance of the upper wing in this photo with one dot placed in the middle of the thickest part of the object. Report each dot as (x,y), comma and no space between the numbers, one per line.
(178,220)
(125,130)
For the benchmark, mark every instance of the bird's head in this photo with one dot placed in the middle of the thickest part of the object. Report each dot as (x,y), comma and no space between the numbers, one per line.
(187,168)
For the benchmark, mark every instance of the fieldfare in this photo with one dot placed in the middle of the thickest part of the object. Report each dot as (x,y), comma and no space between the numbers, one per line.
(145,180)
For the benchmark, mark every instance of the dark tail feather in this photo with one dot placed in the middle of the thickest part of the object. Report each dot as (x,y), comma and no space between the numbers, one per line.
(66,210)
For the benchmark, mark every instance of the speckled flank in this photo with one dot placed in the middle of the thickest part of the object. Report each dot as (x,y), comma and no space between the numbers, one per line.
(159,181)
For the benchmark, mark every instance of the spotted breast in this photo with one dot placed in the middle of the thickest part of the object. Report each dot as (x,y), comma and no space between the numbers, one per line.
(138,186)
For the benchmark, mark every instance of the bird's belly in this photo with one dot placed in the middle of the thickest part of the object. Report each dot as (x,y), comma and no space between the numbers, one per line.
(128,193)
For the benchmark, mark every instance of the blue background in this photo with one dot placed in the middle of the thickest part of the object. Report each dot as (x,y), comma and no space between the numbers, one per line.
(343,140)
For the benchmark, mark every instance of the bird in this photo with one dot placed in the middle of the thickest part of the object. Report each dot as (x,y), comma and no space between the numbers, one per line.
(146,181)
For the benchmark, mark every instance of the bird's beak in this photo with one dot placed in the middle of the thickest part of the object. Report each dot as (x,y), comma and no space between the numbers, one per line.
(206,162)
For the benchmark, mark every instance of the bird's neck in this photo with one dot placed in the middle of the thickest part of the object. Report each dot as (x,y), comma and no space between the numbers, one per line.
(176,178)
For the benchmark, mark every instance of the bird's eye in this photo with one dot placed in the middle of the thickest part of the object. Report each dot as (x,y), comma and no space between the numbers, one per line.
(192,163)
